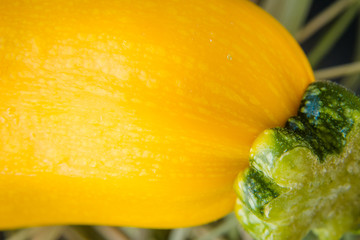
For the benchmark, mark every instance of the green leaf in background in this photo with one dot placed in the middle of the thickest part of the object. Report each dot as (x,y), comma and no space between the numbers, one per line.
(290,13)
(322,19)
(333,34)
(353,82)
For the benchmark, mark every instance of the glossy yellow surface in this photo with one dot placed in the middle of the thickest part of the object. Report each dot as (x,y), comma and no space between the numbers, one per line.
(136,113)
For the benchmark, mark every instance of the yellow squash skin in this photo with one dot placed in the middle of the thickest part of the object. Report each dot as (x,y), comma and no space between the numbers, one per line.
(136,113)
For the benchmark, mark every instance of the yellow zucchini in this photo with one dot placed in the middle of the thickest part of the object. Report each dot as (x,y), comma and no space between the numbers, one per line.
(136,113)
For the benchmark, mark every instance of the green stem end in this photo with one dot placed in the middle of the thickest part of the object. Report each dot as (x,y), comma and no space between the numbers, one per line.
(305,176)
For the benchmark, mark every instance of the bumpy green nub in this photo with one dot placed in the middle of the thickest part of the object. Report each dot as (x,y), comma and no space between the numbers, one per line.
(305,176)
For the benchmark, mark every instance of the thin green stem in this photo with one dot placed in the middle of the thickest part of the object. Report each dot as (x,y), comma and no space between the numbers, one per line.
(339,71)
(322,19)
(353,81)
(329,39)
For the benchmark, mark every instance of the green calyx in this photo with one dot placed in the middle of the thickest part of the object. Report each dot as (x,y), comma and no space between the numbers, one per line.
(306,175)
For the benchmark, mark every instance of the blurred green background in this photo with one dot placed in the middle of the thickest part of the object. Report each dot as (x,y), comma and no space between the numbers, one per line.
(329,32)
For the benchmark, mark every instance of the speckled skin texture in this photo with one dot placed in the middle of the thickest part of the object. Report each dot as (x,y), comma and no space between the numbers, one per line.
(136,113)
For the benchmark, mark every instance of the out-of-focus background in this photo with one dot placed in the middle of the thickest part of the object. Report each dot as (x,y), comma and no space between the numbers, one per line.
(329,32)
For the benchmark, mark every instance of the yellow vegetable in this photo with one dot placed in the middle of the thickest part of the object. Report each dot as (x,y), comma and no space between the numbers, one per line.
(136,113)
